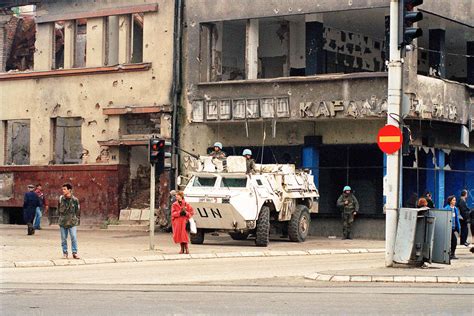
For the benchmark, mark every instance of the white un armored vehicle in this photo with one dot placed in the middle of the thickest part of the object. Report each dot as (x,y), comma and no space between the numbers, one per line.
(275,198)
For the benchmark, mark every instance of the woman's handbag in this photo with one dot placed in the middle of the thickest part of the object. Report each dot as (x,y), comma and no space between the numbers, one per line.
(192,226)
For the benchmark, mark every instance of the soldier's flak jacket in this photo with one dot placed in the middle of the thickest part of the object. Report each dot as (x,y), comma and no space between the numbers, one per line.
(352,206)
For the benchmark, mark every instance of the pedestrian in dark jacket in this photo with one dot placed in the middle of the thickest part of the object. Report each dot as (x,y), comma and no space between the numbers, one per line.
(69,217)
(464,213)
(30,203)
(429,198)
(455,225)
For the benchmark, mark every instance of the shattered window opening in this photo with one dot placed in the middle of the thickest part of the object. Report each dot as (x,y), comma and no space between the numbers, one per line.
(80,44)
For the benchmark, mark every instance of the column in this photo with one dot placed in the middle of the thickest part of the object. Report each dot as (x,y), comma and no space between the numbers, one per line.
(437,54)
(251,49)
(124,49)
(470,63)
(311,161)
(431,176)
(297,47)
(4,18)
(44,47)
(95,50)
(315,59)
(69,43)
(469,178)
(439,194)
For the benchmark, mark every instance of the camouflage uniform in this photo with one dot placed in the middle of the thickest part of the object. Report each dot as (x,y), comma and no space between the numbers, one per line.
(250,165)
(218,154)
(347,212)
(69,212)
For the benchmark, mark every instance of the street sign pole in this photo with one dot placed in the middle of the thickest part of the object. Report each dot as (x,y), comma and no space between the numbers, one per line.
(393,177)
(152,205)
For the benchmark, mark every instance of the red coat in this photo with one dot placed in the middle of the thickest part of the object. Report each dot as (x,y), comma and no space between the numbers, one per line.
(178,222)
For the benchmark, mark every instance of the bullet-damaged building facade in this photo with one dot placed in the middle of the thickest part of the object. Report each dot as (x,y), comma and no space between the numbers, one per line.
(305,82)
(83,85)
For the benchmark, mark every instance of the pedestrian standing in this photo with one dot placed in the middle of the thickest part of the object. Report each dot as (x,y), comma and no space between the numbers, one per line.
(181,212)
(349,207)
(455,227)
(429,198)
(464,213)
(69,218)
(30,203)
(42,208)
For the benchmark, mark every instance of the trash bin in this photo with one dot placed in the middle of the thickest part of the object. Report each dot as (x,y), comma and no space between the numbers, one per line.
(423,235)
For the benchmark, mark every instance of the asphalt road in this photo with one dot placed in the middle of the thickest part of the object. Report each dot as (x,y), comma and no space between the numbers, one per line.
(237,300)
(231,286)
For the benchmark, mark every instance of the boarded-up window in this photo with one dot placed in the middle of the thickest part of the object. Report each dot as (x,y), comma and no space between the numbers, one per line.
(67,141)
(18,142)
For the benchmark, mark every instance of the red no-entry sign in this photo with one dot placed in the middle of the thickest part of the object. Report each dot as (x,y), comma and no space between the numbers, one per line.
(389,139)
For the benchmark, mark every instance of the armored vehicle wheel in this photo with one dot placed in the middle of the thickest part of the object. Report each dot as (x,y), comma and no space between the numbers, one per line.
(238,235)
(298,227)
(198,238)
(263,227)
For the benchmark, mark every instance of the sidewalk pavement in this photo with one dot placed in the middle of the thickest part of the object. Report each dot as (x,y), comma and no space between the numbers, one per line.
(104,246)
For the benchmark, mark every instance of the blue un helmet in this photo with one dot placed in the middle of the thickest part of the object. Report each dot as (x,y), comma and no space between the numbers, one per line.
(347,188)
(218,144)
(247,152)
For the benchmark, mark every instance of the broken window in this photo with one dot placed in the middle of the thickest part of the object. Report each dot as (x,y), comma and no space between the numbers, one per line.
(80,43)
(137,38)
(298,45)
(143,124)
(273,48)
(58,45)
(19,45)
(67,140)
(18,142)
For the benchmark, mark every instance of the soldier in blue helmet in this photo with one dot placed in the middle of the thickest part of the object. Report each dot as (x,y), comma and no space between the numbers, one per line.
(217,152)
(349,206)
(247,153)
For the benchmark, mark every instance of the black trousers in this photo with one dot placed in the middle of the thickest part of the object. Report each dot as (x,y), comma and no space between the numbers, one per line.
(454,242)
(464,231)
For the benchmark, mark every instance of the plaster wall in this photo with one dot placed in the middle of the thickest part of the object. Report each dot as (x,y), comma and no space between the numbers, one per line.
(86,96)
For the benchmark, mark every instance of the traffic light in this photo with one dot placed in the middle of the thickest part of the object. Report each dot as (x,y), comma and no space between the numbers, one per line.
(160,154)
(407,17)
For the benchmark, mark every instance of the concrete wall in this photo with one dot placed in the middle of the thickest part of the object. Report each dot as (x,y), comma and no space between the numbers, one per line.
(362,227)
(86,96)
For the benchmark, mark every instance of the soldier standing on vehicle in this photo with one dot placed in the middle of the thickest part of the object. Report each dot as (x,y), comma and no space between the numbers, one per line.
(349,206)
(247,153)
(217,152)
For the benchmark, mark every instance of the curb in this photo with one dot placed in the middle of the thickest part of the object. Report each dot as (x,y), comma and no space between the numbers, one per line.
(390,278)
(169,257)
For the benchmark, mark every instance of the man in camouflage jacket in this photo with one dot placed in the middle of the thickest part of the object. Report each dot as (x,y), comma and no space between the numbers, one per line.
(69,217)
(349,206)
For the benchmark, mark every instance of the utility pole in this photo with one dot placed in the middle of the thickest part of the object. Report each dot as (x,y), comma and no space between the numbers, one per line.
(152,205)
(393,177)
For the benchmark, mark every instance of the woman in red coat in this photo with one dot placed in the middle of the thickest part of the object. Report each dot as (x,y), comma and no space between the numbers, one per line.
(181,212)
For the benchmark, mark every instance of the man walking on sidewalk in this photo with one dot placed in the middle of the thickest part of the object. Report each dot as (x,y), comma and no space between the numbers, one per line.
(30,203)
(69,218)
